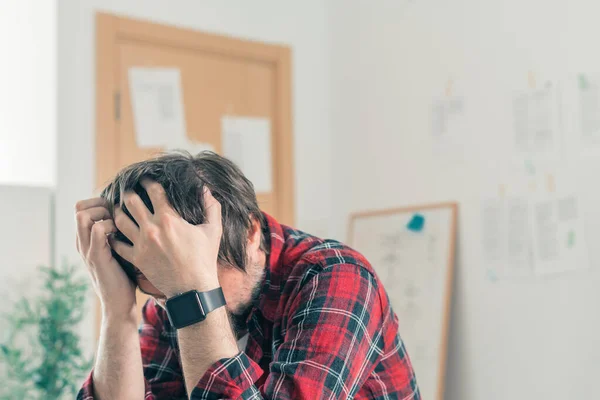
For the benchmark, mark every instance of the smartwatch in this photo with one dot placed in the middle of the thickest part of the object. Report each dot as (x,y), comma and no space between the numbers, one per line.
(192,307)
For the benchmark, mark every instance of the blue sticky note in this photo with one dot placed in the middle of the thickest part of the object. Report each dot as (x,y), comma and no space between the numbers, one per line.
(416,223)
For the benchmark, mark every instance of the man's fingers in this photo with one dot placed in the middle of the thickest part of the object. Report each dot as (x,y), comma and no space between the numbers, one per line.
(136,207)
(100,230)
(157,194)
(122,249)
(89,203)
(85,220)
(126,225)
(212,209)
(92,214)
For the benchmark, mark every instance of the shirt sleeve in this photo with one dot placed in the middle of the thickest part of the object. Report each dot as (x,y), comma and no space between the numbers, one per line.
(334,336)
(163,378)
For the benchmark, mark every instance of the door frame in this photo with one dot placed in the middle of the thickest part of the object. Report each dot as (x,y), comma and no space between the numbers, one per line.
(112,29)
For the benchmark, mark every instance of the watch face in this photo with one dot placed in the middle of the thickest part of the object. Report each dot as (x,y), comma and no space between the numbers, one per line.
(185,309)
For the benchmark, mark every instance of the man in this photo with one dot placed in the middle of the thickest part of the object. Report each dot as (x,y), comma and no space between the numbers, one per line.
(187,230)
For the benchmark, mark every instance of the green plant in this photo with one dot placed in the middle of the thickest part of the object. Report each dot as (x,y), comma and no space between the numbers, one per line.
(41,351)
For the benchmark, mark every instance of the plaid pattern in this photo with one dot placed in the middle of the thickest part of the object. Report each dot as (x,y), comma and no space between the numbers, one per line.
(322,328)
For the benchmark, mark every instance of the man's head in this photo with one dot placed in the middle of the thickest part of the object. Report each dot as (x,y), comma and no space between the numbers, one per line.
(184,177)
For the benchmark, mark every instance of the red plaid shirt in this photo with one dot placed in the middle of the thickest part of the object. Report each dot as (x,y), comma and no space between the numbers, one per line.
(322,328)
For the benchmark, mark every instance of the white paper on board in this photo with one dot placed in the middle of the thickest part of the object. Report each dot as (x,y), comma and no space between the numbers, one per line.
(247,142)
(157,104)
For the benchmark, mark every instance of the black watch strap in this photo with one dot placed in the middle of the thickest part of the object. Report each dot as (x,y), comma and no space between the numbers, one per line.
(212,299)
(192,307)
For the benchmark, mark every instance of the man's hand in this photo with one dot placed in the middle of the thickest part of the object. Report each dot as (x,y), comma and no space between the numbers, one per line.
(118,371)
(115,290)
(177,257)
(174,255)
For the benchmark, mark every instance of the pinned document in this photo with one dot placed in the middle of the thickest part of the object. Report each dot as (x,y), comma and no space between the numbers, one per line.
(157,104)
(247,142)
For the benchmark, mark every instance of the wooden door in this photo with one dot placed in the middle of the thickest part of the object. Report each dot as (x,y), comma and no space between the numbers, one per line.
(219,76)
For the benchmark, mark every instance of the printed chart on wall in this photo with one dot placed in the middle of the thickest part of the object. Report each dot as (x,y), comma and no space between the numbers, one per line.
(412,252)
(559,243)
(449,126)
(537,120)
(582,121)
(589,109)
(533,224)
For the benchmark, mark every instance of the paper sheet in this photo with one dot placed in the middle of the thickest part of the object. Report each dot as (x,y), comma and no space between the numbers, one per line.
(536,121)
(518,231)
(559,237)
(157,103)
(507,236)
(247,142)
(158,110)
(589,113)
(448,127)
(535,224)
(494,230)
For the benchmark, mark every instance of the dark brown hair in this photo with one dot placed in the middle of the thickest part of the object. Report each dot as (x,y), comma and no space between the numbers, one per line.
(184,176)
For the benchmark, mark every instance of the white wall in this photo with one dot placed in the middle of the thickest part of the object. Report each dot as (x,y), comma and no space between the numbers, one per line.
(28,92)
(25,241)
(27,146)
(530,339)
(367,72)
(302,25)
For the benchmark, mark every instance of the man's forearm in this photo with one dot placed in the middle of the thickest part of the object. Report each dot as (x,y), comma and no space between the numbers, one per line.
(205,343)
(118,371)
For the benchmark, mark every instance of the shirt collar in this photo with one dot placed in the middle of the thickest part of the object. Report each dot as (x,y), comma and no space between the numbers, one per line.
(275,240)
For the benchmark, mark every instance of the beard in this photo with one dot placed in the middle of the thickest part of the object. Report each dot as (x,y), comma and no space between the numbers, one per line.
(239,318)
(239,323)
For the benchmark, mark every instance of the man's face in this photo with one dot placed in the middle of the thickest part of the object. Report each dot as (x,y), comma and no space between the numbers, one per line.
(149,289)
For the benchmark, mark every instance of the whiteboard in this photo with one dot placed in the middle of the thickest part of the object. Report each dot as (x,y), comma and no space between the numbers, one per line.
(415,262)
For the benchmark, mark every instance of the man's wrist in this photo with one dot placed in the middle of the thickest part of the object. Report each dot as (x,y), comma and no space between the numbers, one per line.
(124,319)
(205,343)
(118,313)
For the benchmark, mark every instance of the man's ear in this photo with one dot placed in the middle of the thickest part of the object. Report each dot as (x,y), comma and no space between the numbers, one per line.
(254,235)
